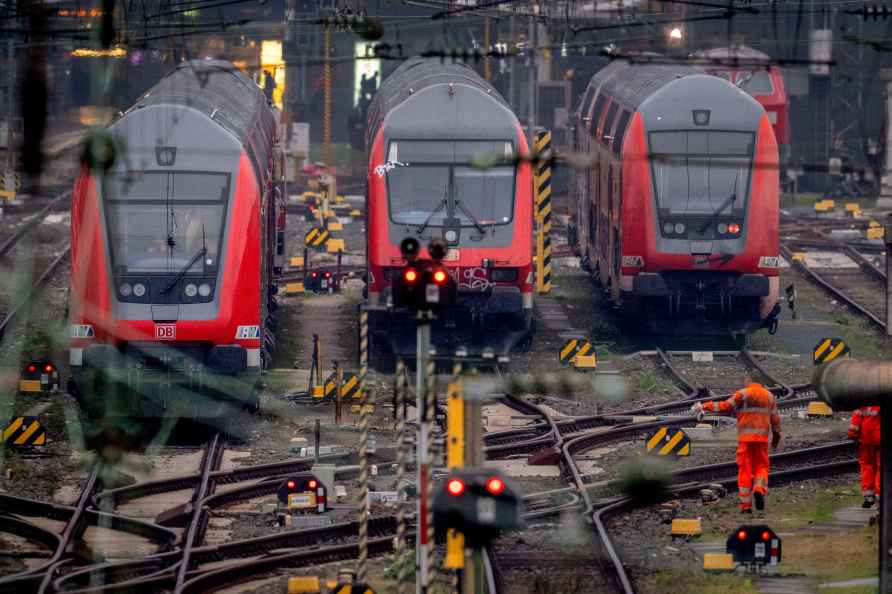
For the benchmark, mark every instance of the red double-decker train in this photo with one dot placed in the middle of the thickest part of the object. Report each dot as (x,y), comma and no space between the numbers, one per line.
(429,124)
(173,251)
(677,219)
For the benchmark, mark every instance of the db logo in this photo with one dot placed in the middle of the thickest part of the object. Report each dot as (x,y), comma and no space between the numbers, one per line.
(165,331)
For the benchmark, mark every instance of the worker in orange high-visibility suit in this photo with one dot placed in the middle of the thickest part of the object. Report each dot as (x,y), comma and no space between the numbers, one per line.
(757,416)
(865,428)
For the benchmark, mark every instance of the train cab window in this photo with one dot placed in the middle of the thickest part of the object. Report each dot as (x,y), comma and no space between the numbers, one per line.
(701,172)
(586,101)
(620,132)
(755,83)
(608,124)
(162,222)
(430,182)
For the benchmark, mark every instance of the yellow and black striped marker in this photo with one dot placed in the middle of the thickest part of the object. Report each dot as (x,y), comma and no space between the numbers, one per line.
(575,347)
(24,431)
(666,442)
(829,349)
(542,186)
(349,385)
(316,237)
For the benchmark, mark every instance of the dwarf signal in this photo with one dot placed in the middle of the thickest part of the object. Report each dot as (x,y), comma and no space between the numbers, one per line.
(477,502)
(303,493)
(754,545)
(423,284)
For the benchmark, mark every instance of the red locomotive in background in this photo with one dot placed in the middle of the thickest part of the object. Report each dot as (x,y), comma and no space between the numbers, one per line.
(752,71)
(677,219)
(427,125)
(173,251)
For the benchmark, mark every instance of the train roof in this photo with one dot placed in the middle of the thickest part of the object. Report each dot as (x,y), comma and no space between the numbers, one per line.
(413,82)
(221,95)
(740,52)
(632,84)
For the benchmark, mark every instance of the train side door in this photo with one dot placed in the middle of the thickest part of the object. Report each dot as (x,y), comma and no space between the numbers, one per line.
(604,226)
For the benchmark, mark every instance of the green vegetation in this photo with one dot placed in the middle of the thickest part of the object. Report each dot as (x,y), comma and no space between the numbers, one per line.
(679,582)
(833,557)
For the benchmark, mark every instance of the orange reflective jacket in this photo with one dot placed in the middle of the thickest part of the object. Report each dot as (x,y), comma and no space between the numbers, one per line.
(756,412)
(866,425)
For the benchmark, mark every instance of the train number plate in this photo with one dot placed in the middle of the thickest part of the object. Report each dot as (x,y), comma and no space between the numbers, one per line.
(165,331)
(301,500)
(486,510)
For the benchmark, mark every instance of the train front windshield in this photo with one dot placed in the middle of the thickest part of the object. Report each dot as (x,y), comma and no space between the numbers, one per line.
(161,222)
(430,182)
(700,172)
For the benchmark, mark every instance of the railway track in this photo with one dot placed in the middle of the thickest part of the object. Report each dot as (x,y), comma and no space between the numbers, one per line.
(35,288)
(562,442)
(860,286)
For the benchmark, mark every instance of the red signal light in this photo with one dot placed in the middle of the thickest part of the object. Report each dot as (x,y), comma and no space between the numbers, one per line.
(733,228)
(48,367)
(439,276)
(766,535)
(314,274)
(410,275)
(741,535)
(495,485)
(31,368)
(455,487)
(290,484)
(313,484)
(327,274)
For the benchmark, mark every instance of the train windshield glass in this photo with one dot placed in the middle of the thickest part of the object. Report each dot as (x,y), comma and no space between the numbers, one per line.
(698,172)
(159,221)
(432,181)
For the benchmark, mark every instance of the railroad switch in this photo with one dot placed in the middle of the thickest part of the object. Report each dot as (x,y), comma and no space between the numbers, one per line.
(669,510)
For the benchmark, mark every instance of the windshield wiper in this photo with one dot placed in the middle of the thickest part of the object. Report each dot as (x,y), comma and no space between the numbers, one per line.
(430,217)
(729,201)
(199,254)
(471,216)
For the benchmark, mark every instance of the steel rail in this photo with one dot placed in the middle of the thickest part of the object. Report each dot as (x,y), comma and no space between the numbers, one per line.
(74,527)
(818,279)
(195,534)
(11,314)
(221,477)
(22,506)
(31,223)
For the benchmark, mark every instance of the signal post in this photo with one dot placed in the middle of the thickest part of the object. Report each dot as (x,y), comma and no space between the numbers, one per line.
(423,286)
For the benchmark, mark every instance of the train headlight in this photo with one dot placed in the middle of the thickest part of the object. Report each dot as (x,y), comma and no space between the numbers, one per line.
(204,289)
(734,228)
(126,289)
(667,228)
(679,228)
(723,228)
(139,289)
(191,290)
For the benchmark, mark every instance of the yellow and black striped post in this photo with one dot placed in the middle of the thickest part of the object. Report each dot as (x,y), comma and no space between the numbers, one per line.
(362,559)
(542,188)
(455,458)
(399,411)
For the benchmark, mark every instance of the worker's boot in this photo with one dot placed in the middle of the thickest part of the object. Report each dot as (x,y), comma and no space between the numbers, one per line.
(759,497)
(868,502)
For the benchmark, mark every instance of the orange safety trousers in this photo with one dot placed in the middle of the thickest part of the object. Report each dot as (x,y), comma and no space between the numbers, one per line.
(869,456)
(752,471)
